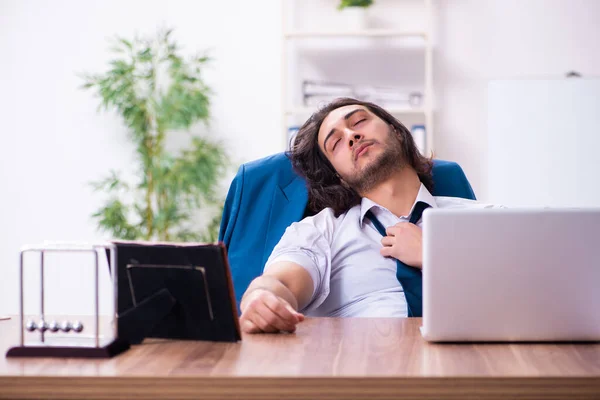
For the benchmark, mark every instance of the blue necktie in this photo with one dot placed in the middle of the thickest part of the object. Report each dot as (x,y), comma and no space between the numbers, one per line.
(410,278)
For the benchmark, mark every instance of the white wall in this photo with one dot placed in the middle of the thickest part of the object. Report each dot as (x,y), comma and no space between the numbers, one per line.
(482,40)
(546,153)
(53,141)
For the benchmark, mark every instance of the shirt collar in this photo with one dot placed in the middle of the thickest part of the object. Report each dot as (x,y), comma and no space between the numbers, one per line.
(423,195)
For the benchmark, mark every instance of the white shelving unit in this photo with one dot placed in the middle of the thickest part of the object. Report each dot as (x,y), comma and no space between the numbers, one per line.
(423,36)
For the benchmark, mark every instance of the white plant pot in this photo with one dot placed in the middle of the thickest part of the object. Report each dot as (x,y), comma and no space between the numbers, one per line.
(354,18)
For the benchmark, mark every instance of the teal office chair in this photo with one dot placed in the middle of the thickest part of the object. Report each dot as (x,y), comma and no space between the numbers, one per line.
(267,196)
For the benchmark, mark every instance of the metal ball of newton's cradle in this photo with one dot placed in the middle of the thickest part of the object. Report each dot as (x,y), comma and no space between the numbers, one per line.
(66,326)
(53,326)
(30,326)
(77,326)
(42,326)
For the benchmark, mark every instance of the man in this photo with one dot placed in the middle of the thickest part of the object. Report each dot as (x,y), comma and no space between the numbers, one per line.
(363,170)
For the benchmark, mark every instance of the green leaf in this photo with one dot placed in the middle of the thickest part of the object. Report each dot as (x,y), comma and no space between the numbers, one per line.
(112,219)
(110,183)
(126,43)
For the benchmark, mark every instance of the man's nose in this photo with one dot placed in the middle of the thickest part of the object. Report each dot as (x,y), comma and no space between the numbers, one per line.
(354,137)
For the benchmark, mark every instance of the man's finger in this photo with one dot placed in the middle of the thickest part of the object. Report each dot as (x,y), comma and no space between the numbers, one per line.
(386,251)
(387,240)
(259,320)
(278,306)
(396,229)
(298,315)
(248,326)
(252,313)
(273,320)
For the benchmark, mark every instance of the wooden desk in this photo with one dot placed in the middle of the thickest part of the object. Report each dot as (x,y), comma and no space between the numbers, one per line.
(326,358)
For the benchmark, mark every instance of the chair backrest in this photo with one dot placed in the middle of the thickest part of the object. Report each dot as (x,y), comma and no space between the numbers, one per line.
(267,196)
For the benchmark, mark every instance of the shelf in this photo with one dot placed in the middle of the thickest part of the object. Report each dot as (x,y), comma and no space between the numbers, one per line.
(391,110)
(359,33)
(314,51)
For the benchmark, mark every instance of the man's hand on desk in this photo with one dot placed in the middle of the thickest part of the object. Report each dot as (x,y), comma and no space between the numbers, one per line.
(263,311)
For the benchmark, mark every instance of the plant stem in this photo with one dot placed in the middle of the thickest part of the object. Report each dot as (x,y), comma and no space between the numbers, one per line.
(164,201)
(153,147)
(149,189)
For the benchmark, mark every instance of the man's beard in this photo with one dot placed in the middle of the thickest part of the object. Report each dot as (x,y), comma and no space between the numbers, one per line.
(379,169)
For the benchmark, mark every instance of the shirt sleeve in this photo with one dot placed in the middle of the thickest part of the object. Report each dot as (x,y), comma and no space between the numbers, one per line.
(308,244)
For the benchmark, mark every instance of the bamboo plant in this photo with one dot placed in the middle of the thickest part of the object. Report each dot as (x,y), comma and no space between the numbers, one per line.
(157,91)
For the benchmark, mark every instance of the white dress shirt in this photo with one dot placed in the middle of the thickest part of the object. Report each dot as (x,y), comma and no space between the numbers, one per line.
(351,278)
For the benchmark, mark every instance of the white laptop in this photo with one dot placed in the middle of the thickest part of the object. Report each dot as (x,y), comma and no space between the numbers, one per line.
(511,275)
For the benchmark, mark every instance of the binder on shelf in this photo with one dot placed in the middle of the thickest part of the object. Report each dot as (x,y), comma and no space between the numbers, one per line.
(320,93)
(419,136)
(292,132)
(326,88)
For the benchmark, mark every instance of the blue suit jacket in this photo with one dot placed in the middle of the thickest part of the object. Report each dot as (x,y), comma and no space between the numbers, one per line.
(267,196)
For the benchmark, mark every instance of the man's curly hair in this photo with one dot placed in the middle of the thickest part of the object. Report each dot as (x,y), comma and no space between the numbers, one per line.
(325,188)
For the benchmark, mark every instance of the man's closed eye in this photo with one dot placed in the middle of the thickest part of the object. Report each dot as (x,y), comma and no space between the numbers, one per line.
(335,144)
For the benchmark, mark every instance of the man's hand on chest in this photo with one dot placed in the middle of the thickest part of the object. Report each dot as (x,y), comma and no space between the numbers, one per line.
(404,242)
